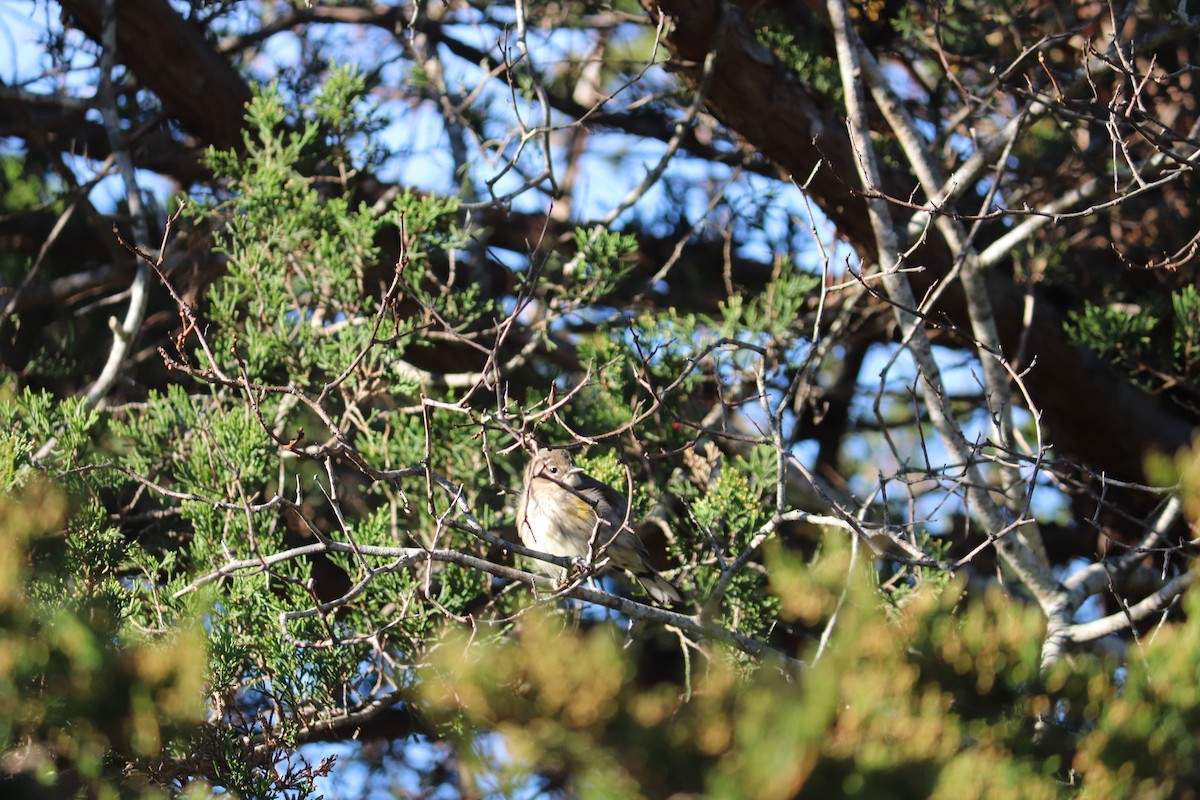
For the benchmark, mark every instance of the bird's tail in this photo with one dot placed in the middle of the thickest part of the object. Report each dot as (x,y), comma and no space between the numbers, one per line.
(661,590)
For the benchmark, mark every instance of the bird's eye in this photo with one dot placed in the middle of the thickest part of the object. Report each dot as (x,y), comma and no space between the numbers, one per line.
(553,470)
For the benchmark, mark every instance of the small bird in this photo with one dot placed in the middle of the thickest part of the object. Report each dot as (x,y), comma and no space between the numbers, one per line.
(565,512)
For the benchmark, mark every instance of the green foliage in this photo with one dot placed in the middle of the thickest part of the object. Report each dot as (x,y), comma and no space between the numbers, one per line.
(772,314)
(899,583)
(730,513)
(349,133)
(78,689)
(603,261)
(252,542)
(24,184)
(1157,346)
(296,259)
(1185,343)
(21,185)
(1118,333)
(292,349)
(602,250)
(807,51)
(963,24)
(1045,143)
(34,417)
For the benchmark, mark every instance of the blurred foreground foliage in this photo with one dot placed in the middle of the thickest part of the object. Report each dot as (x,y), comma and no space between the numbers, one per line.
(943,699)
(90,706)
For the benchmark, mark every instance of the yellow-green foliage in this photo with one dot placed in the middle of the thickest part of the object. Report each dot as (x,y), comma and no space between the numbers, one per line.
(552,694)
(1145,741)
(938,703)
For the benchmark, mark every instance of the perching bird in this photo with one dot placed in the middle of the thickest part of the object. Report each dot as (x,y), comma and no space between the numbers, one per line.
(565,512)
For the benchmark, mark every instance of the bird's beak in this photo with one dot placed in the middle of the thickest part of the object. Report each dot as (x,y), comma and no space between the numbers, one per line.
(574,470)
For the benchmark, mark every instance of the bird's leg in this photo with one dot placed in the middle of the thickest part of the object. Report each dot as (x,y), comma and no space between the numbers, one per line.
(580,566)
(572,574)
